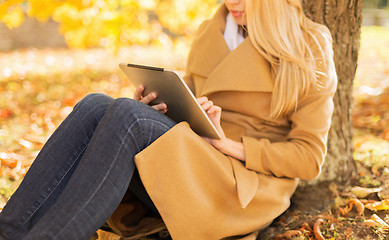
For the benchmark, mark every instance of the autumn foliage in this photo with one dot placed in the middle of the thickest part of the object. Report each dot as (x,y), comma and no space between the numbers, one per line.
(113,23)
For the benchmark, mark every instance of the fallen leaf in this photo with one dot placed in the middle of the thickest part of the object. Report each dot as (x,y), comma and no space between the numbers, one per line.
(316,229)
(374,217)
(289,234)
(371,223)
(376,221)
(385,134)
(384,194)
(353,202)
(25,143)
(5,113)
(362,192)
(10,163)
(379,205)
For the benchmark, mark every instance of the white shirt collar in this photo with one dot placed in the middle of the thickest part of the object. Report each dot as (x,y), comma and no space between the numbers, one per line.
(232,35)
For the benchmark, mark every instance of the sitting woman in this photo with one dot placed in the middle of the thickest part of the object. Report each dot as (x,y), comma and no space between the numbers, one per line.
(262,71)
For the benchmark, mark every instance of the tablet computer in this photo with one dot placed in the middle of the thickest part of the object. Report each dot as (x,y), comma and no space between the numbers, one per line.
(172,90)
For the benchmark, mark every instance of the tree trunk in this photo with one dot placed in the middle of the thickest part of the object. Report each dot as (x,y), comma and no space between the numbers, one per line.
(343,18)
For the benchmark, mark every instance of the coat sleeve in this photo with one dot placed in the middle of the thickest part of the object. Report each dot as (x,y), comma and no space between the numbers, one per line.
(302,154)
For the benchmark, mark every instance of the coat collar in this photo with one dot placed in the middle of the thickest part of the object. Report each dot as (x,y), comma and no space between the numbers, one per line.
(243,69)
(209,47)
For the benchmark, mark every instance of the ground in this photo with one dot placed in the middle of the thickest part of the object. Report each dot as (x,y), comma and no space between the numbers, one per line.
(39,87)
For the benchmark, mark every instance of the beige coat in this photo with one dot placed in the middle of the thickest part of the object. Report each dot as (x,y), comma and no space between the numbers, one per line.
(202,194)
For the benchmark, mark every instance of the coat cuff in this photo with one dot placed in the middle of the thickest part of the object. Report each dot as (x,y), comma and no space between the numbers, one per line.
(253,153)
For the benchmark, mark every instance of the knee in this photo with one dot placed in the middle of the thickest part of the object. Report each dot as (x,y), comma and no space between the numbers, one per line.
(128,105)
(94,101)
(96,98)
(127,108)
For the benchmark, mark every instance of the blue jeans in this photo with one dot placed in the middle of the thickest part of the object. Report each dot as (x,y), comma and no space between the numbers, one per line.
(83,171)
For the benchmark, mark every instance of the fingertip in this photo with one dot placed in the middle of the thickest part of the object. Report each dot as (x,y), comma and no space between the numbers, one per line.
(211,110)
(202,99)
(163,110)
(162,107)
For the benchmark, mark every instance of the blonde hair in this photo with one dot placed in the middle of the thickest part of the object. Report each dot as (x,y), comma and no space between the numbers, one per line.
(283,35)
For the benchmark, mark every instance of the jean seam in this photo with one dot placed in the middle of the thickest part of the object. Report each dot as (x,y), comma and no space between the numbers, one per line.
(147,120)
(47,196)
(155,121)
(110,168)
(99,186)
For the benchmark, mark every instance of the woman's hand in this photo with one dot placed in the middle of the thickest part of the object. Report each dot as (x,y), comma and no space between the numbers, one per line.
(213,112)
(229,147)
(138,95)
(225,145)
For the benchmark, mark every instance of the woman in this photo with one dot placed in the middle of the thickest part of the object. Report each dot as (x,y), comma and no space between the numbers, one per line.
(269,92)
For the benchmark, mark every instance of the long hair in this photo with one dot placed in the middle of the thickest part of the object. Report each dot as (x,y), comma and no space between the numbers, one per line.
(287,39)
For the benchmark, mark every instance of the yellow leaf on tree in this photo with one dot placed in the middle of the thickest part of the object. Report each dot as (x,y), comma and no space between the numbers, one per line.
(79,4)
(6,6)
(113,23)
(148,4)
(42,9)
(3,9)
(14,17)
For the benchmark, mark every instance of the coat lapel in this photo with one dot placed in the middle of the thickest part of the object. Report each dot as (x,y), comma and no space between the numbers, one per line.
(243,69)
(209,48)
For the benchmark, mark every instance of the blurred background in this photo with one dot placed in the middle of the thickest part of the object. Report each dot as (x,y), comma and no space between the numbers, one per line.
(52,53)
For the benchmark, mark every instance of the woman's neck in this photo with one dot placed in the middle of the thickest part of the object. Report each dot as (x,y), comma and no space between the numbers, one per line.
(243,31)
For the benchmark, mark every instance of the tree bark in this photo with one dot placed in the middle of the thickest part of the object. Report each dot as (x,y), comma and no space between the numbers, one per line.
(343,18)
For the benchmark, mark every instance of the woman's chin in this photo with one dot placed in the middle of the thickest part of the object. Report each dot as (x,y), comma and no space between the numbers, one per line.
(240,22)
